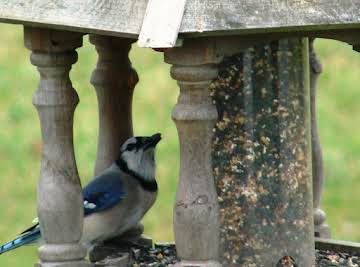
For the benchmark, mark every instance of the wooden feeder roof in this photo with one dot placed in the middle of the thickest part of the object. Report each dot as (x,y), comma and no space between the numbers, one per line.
(201,17)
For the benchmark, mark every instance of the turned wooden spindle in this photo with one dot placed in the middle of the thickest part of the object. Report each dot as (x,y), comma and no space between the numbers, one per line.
(321,229)
(114,80)
(60,204)
(196,213)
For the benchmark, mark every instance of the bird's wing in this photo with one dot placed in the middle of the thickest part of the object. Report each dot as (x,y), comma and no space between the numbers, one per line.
(29,236)
(31,228)
(103,193)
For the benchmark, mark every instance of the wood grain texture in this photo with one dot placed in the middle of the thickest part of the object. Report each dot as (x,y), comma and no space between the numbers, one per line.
(124,18)
(114,80)
(95,16)
(337,245)
(60,207)
(161,23)
(196,212)
(263,15)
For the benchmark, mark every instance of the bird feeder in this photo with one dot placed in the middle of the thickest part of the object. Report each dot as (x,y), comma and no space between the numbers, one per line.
(250,161)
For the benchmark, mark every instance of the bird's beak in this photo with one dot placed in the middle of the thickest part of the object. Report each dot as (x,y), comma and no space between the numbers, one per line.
(152,141)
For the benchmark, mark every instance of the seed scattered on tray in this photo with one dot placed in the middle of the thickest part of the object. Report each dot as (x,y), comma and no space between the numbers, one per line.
(326,258)
(160,255)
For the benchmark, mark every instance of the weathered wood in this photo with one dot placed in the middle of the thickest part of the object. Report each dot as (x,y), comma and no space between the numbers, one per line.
(161,23)
(60,206)
(263,16)
(121,260)
(114,80)
(124,18)
(196,212)
(337,245)
(321,229)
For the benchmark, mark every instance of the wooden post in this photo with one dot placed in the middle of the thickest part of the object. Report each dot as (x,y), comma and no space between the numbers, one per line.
(196,214)
(114,80)
(60,206)
(321,229)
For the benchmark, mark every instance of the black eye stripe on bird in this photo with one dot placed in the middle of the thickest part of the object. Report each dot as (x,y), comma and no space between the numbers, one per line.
(130,147)
(108,192)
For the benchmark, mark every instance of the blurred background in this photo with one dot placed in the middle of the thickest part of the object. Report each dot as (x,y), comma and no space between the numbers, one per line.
(155,95)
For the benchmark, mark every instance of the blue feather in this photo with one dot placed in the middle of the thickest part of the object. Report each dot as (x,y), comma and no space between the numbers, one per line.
(103,192)
(24,239)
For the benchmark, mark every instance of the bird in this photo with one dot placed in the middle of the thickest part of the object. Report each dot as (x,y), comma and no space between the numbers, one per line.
(114,201)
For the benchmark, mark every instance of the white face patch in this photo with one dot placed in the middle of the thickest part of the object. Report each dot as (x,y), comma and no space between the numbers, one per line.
(141,162)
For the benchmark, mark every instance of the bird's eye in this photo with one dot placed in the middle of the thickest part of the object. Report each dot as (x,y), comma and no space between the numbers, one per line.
(130,147)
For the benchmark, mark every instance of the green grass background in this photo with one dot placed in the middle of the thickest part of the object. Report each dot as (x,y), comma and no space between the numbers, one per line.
(155,95)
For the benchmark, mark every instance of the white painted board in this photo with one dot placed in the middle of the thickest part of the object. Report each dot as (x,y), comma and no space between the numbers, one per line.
(161,23)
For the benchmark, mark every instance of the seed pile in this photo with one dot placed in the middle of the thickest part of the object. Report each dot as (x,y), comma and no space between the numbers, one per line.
(261,155)
(326,258)
(160,256)
(165,255)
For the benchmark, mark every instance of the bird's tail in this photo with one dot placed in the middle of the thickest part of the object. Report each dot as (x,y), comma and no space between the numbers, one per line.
(25,238)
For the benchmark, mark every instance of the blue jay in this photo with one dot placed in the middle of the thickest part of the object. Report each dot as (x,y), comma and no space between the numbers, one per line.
(117,199)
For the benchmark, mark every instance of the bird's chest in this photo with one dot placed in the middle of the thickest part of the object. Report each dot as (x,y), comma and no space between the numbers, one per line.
(139,207)
(127,216)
